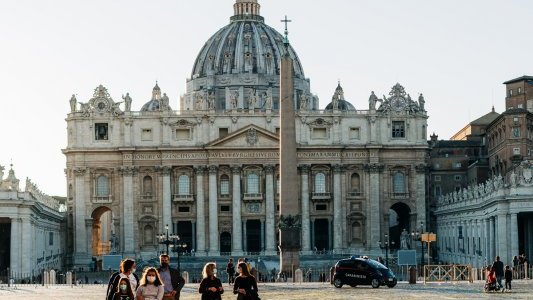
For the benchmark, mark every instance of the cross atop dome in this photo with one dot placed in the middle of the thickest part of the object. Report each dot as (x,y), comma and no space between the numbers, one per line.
(248,10)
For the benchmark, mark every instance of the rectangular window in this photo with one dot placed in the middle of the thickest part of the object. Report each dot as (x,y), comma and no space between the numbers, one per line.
(516,151)
(530,105)
(457,165)
(183,134)
(437,178)
(398,129)
(519,90)
(516,132)
(458,177)
(321,207)
(224,187)
(184,209)
(146,135)
(50,238)
(320,133)
(436,166)
(355,134)
(225,208)
(457,188)
(223,132)
(520,105)
(101,132)
(510,93)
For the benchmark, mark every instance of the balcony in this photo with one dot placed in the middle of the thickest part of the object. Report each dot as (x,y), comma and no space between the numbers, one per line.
(188,198)
(321,197)
(103,200)
(354,195)
(400,195)
(252,197)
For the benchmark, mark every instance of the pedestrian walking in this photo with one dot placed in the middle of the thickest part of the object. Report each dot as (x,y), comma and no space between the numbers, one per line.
(230,269)
(499,271)
(245,286)
(210,287)
(508,278)
(127,270)
(172,280)
(150,286)
(124,291)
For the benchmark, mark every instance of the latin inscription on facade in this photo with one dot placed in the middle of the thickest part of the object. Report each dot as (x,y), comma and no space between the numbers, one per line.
(230,155)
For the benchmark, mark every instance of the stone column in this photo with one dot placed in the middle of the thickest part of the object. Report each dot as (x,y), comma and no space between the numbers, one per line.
(167,199)
(200,211)
(81,255)
(27,245)
(262,235)
(237,222)
(129,237)
(337,209)
(421,194)
(502,239)
(485,239)
(16,247)
(213,212)
(492,241)
(270,245)
(514,235)
(374,201)
(306,243)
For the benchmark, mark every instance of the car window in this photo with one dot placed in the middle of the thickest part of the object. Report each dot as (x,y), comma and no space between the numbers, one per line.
(376,264)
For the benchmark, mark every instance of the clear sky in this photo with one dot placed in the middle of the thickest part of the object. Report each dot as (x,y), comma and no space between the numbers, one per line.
(456,52)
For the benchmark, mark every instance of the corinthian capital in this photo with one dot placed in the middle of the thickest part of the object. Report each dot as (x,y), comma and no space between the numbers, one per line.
(128,170)
(374,168)
(80,171)
(236,169)
(213,169)
(305,169)
(200,170)
(269,169)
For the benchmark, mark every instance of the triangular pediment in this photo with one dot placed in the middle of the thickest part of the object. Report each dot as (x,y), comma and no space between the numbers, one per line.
(250,136)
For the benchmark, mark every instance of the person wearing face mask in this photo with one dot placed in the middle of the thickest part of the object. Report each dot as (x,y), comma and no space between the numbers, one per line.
(210,287)
(172,280)
(245,285)
(124,291)
(127,270)
(150,286)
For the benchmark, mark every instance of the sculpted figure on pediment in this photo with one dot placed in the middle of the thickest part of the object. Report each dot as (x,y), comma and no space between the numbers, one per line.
(73,103)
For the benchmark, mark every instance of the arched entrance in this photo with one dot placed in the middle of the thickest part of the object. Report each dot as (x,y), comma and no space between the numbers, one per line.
(399,219)
(101,231)
(225,242)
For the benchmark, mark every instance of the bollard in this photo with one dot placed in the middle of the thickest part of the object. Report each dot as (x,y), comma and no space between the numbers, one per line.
(186,276)
(298,276)
(52,277)
(412,275)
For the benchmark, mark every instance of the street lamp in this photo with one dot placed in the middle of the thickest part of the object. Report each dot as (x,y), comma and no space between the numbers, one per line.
(166,239)
(385,245)
(417,235)
(178,247)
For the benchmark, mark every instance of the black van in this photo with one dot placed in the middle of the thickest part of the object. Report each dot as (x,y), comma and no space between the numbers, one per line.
(362,271)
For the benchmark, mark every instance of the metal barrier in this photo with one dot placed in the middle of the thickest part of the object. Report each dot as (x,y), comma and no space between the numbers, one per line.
(439,273)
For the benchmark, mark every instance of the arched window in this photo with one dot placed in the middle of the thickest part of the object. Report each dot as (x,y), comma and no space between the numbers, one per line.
(102,186)
(183,185)
(356,183)
(320,183)
(147,185)
(224,185)
(148,235)
(398,183)
(252,183)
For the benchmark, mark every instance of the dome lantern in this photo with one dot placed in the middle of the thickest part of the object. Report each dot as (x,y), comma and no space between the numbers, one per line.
(247,10)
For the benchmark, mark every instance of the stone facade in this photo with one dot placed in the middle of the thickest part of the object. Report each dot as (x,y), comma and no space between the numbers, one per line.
(31,229)
(212,171)
(482,221)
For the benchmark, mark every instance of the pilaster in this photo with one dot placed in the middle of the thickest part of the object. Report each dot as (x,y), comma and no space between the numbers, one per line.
(129,235)
(337,209)
(374,170)
(213,212)
(304,175)
(236,217)
(200,211)
(270,245)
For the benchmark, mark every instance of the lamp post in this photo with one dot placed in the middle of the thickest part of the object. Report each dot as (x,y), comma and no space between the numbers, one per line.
(166,239)
(178,246)
(385,245)
(417,235)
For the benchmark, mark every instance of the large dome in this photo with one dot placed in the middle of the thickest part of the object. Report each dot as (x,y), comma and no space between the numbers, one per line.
(246,45)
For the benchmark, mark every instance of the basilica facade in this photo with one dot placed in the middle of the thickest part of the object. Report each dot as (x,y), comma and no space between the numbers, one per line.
(210,170)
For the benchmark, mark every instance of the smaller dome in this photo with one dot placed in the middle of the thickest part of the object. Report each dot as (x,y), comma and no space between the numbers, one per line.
(343,105)
(339,101)
(152,105)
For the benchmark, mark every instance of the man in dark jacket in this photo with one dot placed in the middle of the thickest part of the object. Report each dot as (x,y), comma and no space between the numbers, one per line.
(171,279)
(127,270)
(499,270)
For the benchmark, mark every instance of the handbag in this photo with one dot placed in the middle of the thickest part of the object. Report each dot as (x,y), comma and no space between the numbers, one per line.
(253,294)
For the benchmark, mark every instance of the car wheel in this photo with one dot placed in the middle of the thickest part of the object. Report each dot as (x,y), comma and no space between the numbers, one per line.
(337,283)
(353,285)
(391,285)
(375,283)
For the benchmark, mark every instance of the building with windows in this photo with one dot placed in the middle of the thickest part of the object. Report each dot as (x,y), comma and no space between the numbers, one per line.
(211,169)
(31,229)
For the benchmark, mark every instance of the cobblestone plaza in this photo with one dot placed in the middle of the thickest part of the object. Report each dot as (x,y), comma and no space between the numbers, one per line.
(284,291)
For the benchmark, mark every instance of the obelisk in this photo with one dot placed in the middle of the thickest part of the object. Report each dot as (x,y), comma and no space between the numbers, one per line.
(289,217)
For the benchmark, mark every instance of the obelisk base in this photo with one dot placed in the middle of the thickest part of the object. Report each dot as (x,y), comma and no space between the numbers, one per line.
(289,259)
